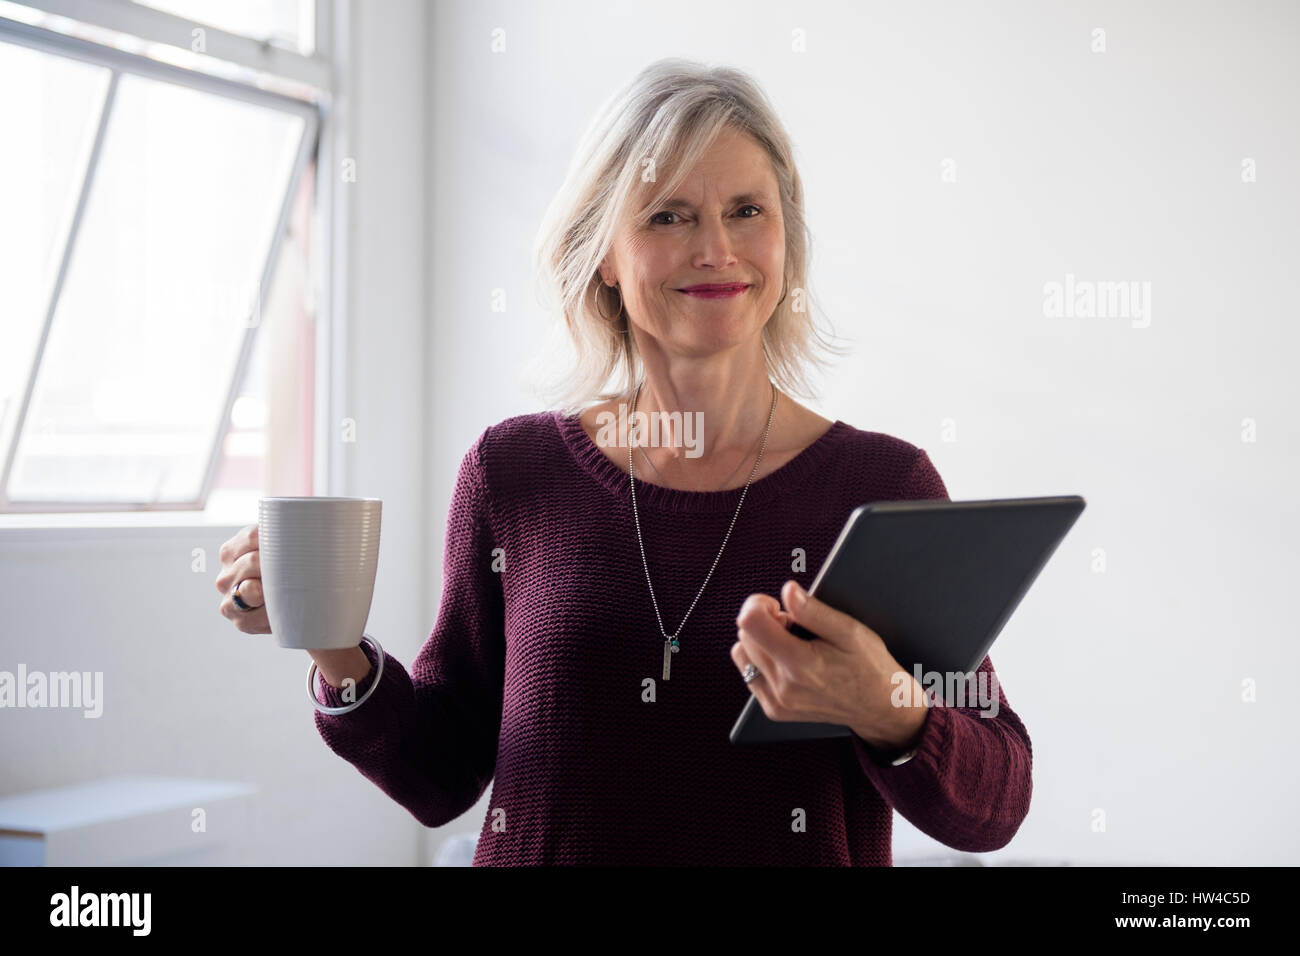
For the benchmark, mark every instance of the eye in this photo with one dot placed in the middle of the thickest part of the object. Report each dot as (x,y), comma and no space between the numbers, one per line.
(656,221)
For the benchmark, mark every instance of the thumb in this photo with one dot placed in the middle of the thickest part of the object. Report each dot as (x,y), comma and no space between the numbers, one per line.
(818,616)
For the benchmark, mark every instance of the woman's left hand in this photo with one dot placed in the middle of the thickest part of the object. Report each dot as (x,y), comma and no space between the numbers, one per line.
(848,677)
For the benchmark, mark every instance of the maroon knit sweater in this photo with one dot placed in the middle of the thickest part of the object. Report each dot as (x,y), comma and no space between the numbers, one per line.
(542,673)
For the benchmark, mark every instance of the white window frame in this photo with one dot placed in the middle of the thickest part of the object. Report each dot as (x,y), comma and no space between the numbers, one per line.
(254,72)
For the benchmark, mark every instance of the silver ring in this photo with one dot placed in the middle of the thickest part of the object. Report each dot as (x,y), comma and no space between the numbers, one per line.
(333,711)
(234,596)
(750,672)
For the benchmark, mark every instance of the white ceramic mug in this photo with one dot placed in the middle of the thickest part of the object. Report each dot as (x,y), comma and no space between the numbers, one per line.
(318,559)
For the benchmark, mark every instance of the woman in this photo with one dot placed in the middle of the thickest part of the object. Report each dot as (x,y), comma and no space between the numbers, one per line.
(607,609)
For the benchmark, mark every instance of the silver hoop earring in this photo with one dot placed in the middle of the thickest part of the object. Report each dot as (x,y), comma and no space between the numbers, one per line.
(610,318)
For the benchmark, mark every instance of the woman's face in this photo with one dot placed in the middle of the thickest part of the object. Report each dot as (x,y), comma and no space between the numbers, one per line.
(723,225)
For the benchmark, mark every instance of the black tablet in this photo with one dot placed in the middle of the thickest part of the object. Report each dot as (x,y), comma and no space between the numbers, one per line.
(936,579)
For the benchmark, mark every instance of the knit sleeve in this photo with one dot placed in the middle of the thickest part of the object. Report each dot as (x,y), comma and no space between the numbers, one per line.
(428,737)
(969,782)
(922,480)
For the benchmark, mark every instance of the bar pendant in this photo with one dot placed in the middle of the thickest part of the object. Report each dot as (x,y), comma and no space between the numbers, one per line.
(668,658)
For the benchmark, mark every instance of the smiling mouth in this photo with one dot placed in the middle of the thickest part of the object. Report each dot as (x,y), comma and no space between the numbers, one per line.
(716,291)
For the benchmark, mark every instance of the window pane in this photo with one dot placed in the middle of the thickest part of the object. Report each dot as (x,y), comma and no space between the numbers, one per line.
(47,133)
(162,286)
(269,447)
(286,23)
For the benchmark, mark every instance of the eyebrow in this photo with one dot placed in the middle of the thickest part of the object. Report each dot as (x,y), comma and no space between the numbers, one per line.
(741,198)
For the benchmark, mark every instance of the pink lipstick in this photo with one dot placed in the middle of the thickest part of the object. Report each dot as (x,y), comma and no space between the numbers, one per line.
(716,290)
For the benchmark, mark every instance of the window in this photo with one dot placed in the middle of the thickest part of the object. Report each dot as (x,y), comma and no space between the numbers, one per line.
(286,23)
(155,272)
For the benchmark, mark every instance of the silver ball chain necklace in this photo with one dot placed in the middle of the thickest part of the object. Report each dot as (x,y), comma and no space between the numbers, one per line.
(671,643)
(664,481)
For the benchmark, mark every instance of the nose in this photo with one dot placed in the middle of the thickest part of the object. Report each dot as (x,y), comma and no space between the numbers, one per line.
(712,246)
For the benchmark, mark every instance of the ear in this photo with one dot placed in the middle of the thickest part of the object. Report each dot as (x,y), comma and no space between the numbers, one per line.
(605,275)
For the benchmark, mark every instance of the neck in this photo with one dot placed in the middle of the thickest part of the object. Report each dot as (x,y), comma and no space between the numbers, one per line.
(722,405)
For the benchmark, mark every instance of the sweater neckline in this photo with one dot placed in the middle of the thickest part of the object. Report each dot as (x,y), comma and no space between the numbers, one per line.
(792,475)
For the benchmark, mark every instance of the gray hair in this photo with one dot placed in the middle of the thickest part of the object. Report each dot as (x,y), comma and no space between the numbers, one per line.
(673,109)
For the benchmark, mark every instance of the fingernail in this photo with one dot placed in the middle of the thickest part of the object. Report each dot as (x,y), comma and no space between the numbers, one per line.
(797,595)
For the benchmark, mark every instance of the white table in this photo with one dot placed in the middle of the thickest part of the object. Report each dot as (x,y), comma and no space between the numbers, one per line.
(124,821)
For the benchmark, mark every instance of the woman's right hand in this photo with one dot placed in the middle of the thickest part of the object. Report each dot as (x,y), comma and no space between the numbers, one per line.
(240,564)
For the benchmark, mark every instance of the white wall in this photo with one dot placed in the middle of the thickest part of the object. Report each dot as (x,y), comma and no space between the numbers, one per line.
(1114,166)
(185,693)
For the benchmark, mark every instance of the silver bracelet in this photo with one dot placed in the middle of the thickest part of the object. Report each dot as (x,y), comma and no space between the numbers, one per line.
(335,711)
(903,758)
